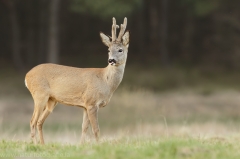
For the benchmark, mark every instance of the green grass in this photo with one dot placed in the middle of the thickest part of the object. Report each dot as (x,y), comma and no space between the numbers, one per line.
(131,148)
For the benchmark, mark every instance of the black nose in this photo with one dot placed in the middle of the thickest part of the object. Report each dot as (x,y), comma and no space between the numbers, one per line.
(112,61)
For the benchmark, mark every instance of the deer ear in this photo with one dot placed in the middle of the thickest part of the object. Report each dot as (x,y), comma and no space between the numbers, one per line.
(126,39)
(105,39)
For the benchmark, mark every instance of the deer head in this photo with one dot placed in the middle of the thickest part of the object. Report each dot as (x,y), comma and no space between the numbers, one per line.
(117,46)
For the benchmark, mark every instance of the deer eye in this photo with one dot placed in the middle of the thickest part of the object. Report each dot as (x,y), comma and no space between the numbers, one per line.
(120,50)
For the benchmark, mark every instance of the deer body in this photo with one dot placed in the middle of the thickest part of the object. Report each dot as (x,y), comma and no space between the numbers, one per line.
(89,88)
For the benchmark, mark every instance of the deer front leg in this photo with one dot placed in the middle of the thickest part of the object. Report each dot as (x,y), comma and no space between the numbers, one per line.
(85,126)
(92,112)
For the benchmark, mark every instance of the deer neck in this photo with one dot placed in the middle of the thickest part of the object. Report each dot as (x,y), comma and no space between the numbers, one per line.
(114,75)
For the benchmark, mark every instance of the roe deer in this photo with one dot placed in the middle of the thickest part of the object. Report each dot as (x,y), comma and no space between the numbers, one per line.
(89,88)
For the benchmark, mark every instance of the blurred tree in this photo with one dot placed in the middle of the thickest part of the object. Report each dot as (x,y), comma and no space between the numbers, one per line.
(43,31)
(195,15)
(30,32)
(201,7)
(106,9)
(164,33)
(15,34)
(157,15)
(157,29)
(186,32)
(53,52)
(34,34)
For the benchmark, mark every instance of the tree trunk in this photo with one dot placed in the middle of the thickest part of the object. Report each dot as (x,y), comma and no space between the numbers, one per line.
(140,30)
(53,52)
(153,21)
(30,34)
(188,38)
(15,35)
(42,34)
(164,33)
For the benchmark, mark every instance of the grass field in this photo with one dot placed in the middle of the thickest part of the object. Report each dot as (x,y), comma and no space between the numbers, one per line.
(141,148)
(195,120)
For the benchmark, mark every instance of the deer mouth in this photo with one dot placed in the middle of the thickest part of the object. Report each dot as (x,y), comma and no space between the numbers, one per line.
(112,62)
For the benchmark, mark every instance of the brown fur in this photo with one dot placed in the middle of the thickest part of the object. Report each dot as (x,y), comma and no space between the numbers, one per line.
(89,88)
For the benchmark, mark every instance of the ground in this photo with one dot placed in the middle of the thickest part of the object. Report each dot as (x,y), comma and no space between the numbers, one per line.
(140,122)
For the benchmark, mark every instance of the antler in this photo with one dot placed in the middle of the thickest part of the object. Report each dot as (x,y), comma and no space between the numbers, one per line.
(114,30)
(122,30)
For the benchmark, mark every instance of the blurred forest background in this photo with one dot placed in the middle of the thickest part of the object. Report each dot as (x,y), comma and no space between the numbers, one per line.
(166,33)
(183,62)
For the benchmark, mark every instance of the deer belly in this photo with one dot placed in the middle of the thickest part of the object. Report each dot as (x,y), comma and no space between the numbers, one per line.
(74,100)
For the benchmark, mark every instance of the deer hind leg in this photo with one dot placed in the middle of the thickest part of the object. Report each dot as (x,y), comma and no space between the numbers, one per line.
(48,109)
(39,104)
(85,126)
(33,127)
(93,117)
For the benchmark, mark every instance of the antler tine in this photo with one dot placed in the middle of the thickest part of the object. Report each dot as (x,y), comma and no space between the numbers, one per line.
(114,29)
(122,30)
